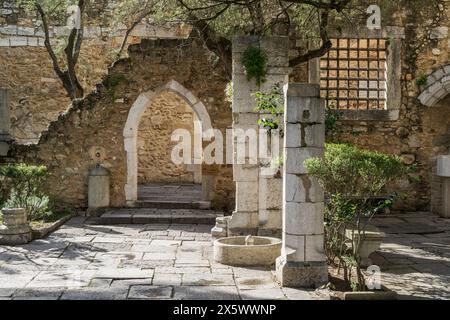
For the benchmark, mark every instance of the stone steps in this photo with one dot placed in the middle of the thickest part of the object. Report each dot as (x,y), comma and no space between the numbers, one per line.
(159,216)
(170,204)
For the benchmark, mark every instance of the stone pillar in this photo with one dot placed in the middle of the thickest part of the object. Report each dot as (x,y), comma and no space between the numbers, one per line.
(5,123)
(443,171)
(254,188)
(302,262)
(15,228)
(98,188)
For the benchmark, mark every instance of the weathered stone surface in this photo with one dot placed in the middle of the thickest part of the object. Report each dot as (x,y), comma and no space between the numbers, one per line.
(302,262)
(303,218)
(304,275)
(154,65)
(260,251)
(150,292)
(302,188)
(15,228)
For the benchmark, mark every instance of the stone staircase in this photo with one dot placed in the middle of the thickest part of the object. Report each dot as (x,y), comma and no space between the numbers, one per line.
(165,204)
(159,216)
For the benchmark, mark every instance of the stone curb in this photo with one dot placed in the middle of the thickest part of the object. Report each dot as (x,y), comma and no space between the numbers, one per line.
(43,232)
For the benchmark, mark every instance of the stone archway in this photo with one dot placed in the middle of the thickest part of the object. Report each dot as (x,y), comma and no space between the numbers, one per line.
(130,132)
(437,88)
(436,94)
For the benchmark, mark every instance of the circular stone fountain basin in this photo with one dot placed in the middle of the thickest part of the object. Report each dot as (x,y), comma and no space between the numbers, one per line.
(261,251)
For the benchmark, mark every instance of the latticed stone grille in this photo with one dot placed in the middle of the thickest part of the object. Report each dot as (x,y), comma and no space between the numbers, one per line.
(353,74)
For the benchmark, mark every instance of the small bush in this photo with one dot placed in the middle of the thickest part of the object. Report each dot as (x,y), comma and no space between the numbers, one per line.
(25,188)
(352,178)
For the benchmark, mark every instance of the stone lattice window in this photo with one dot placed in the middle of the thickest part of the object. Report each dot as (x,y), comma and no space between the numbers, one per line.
(353,74)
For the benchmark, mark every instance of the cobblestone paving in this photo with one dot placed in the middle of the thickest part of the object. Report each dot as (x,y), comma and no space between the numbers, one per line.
(415,255)
(87,261)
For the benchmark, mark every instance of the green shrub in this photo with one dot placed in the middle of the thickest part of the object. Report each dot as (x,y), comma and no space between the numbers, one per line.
(25,188)
(352,178)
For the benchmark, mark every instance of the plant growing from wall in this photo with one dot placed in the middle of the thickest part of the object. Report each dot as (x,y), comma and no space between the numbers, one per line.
(112,81)
(422,80)
(254,61)
(352,178)
(25,187)
(272,105)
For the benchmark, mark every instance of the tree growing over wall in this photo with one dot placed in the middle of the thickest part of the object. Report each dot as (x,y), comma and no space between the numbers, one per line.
(72,14)
(214,21)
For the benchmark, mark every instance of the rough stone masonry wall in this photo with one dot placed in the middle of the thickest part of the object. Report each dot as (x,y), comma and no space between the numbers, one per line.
(421,133)
(36,94)
(98,121)
(166,114)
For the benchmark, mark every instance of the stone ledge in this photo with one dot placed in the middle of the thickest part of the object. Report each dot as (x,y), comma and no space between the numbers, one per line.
(369,115)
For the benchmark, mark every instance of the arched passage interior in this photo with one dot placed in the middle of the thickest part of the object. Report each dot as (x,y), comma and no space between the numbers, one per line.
(147,138)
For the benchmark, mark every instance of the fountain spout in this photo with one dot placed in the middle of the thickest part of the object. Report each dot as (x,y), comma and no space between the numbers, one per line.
(249,240)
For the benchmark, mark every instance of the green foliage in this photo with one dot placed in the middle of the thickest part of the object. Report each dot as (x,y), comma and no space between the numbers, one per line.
(352,178)
(112,81)
(278,162)
(25,187)
(272,103)
(332,117)
(254,61)
(354,172)
(422,80)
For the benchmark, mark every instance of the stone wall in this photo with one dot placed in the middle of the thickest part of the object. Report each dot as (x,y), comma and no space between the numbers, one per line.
(37,96)
(98,121)
(420,133)
(166,114)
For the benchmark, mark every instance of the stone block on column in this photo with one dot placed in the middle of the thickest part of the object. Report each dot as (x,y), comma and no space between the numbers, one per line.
(303,218)
(270,193)
(245,173)
(295,158)
(247,196)
(302,188)
(306,110)
(270,219)
(311,135)
(314,248)
(242,220)
(293,247)
(301,274)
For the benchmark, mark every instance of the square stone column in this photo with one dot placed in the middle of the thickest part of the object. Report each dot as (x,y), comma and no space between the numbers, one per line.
(258,195)
(5,123)
(302,262)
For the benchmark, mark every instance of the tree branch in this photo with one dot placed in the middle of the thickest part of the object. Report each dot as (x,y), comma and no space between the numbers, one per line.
(130,30)
(47,44)
(324,48)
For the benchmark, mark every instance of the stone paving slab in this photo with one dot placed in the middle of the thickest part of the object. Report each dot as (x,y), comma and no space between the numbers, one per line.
(414,255)
(86,261)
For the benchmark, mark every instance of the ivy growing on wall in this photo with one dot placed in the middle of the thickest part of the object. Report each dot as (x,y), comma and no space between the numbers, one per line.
(254,61)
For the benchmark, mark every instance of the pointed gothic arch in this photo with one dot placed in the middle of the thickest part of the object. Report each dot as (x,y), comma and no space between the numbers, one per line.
(130,132)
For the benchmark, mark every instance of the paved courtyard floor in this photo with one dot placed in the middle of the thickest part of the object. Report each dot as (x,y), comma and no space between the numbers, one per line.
(88,261)
(415,255)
